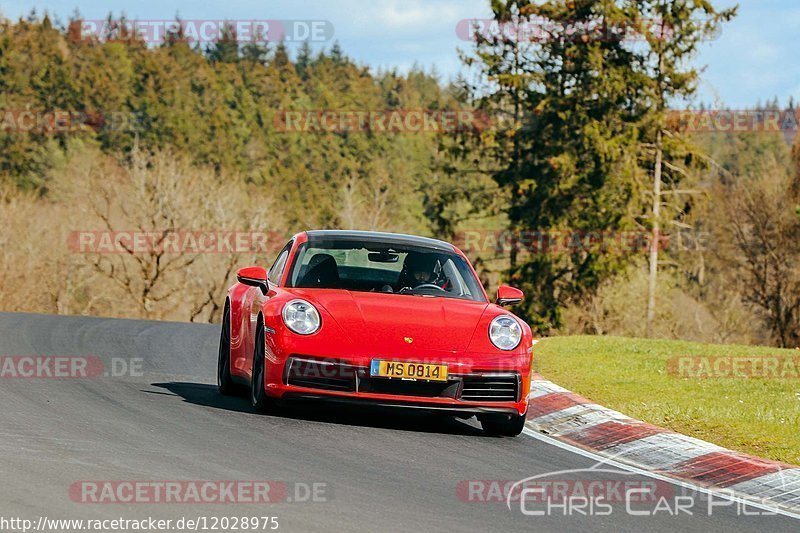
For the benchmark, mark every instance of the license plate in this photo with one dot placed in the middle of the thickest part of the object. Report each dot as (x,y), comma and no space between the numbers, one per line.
(405,370)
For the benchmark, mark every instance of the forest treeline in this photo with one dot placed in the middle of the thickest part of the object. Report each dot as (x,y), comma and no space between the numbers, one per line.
(121,134)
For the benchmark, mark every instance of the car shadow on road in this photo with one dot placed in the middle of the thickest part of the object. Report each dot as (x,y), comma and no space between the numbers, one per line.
(320,411)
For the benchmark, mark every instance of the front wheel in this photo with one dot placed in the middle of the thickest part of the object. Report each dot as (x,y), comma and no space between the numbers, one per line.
(258,396)
(225,383)
(502,426)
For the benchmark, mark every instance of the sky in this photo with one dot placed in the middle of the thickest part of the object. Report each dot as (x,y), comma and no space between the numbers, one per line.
(755,58)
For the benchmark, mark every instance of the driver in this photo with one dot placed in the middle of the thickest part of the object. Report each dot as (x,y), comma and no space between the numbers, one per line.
(419,269)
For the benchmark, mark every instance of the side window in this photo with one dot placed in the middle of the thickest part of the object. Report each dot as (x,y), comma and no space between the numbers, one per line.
(276,271)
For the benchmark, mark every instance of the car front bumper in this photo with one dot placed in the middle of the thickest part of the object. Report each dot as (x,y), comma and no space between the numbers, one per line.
(464,393)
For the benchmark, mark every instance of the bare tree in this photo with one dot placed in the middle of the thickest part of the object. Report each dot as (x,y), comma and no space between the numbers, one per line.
(763,249)
(166,201)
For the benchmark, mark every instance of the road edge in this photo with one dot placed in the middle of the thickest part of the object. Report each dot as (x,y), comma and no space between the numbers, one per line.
(570,418)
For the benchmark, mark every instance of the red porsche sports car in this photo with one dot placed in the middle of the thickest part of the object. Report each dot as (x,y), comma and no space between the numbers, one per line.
(380,318)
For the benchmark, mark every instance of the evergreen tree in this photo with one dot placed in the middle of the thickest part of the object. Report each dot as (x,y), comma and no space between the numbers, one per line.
(303,60)
(226,48)
(573,99)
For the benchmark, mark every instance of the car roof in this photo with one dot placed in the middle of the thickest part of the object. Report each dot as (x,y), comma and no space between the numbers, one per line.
(379,238)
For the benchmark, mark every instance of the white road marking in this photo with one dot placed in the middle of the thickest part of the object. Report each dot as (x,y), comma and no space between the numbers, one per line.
(717,493)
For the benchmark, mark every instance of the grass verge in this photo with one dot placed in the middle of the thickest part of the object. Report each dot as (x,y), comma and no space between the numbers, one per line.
(634,376)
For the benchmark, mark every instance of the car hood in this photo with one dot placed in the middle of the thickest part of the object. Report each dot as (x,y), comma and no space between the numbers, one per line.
(394,323)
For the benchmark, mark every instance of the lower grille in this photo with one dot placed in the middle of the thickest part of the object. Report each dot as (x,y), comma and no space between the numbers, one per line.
(491,388)
(427,389)
(324,375)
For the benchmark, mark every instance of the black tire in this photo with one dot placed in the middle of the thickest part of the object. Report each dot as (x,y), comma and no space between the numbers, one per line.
(225,383)
(258,396)
(503,426)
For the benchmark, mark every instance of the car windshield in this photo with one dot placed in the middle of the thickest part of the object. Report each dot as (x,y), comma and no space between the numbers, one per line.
(392,269)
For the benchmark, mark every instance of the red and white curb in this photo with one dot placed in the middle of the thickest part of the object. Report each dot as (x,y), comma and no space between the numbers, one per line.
(574,420)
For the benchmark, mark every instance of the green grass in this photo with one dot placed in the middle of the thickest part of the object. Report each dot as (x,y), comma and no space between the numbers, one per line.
(756,416)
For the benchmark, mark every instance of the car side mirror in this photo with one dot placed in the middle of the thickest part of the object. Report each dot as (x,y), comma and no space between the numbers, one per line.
(509,295)
(254,277)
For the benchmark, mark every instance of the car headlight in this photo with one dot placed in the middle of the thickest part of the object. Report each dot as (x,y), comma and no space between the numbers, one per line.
(301,317)
(505,332)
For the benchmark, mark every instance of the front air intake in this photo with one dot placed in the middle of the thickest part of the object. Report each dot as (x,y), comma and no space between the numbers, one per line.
(491,388)
(326,375)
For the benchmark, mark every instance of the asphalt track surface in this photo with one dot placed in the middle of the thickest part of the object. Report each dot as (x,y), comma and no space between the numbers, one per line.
(381,470)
